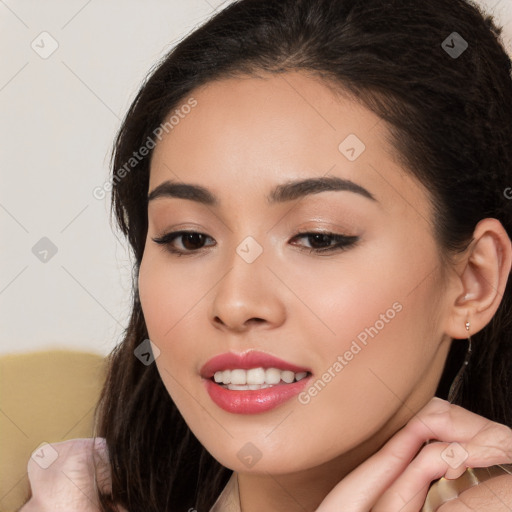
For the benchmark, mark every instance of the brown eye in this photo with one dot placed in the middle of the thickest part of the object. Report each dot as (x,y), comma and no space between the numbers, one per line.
(191,241)
(318,241)
(323,242)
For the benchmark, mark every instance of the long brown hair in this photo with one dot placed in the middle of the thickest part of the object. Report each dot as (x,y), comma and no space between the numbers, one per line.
(448,101)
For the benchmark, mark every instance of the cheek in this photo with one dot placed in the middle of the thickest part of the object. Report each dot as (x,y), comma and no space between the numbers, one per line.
(360,296)
(169,296)
(374,330)
(171,301)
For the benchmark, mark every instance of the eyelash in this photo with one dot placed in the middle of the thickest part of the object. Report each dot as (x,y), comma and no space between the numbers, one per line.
(343,242)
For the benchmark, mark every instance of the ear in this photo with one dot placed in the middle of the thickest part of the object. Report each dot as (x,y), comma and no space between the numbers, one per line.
(482,277)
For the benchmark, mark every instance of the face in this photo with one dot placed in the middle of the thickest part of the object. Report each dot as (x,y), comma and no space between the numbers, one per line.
(340,279)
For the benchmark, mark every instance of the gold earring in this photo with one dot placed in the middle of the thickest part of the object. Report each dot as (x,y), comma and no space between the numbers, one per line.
(457,381)
(468,355)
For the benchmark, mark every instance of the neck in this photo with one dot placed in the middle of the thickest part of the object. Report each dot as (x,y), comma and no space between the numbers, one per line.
(291,492)
(304,491)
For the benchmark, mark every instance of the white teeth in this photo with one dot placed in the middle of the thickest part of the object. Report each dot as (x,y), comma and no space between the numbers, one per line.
(238,377)
(256,378)
(272,376)
(235,386)
(249,386)
(288,377)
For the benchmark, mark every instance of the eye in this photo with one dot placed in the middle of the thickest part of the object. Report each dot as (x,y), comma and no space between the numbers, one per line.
(321,242)
(191,241)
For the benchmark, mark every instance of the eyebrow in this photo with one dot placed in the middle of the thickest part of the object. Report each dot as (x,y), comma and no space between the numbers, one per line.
(288,191)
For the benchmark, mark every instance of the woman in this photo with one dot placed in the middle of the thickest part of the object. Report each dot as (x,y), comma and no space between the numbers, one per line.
(317,195)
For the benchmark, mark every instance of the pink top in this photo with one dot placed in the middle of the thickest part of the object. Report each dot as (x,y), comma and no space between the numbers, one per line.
(60,474)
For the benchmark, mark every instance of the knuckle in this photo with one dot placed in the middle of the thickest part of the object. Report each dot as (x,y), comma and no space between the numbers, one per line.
(439,405)
(503,436)
(438,420)
(496,438)
(439,402)
(502,439)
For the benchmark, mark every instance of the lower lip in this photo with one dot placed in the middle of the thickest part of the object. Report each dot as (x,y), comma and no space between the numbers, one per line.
(253,401)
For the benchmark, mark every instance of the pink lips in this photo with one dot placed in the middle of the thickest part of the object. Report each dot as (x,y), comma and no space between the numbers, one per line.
(256,400)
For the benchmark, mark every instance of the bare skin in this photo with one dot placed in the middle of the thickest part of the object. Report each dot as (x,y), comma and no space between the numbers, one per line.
(346,446)
(245,137)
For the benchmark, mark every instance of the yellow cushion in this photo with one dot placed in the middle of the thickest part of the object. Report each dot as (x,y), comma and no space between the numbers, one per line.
(46,396)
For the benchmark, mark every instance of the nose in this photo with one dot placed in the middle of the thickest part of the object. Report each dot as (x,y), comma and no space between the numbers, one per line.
(248,296)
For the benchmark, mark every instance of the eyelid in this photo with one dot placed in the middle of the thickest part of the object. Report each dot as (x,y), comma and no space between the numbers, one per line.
(342,241)
(169,236)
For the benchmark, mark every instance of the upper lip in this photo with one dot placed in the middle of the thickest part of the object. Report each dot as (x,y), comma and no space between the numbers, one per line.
(246,361)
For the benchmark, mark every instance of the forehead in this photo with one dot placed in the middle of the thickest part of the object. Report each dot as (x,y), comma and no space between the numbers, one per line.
(291,114)
(250,133)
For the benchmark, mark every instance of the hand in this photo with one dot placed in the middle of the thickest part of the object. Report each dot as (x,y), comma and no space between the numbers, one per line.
(494,495)
(68,482)
(397,477)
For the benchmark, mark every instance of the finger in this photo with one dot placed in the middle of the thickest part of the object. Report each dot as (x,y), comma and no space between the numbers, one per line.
(493,495)
(409,491)
(406,494)
(437,420)
(492,445)
(486,441)
(359,490)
